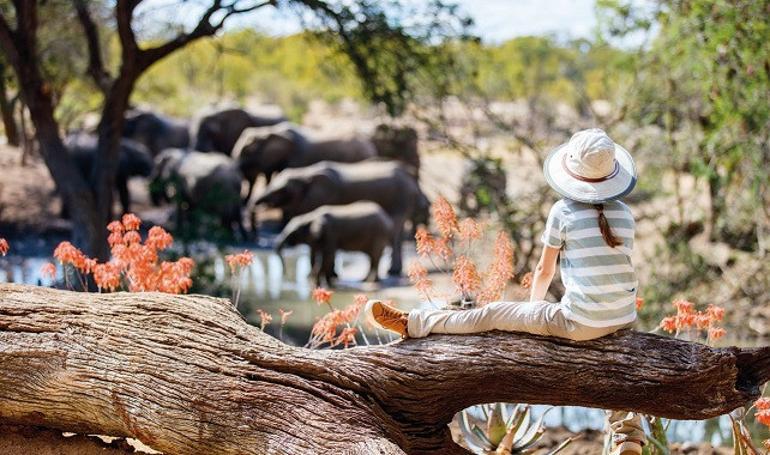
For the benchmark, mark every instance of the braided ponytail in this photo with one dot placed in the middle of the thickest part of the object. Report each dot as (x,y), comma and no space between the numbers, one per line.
(604,227)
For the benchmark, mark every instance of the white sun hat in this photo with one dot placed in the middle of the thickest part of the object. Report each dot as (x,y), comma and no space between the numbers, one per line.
(590,168)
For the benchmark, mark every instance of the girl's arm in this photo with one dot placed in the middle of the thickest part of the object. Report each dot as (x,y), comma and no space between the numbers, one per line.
(546,267)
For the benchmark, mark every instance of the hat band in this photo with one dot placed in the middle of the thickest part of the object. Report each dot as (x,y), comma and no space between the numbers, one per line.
(588,179)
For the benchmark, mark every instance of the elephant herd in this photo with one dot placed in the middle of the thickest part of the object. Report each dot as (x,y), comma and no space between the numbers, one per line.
(351,193)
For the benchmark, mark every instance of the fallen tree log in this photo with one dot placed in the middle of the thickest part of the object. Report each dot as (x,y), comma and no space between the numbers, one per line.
(186,374)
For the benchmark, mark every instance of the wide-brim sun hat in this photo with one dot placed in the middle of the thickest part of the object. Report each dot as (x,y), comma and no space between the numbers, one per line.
(590,168)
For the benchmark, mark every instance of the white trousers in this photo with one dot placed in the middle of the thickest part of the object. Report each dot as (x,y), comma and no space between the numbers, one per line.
(539,318)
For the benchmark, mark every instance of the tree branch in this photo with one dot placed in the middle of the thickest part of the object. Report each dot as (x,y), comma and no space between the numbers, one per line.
(202,29)
(186,374)
(96,67)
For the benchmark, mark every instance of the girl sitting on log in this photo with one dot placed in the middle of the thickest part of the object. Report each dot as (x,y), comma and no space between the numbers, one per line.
(594,233)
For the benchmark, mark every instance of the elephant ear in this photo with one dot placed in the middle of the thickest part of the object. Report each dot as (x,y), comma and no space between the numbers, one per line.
(276,151)
(323,187)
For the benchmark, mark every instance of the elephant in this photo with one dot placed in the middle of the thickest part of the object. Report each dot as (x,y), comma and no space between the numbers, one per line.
(218,132)
(398,143)
(269,150)
(134,160)
(361,226)
(209,182)
(157,132)
(301,190)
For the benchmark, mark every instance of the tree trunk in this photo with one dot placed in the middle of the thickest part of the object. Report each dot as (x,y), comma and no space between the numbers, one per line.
(6,111)
(106,163)
(186,374)
(87,228)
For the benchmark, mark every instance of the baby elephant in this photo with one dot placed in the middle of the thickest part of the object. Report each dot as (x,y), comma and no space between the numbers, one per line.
(360,226)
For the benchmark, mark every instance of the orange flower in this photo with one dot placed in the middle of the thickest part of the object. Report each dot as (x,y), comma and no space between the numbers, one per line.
(264,318)
(115,227)
(158,238)
(639,303)
(763,417)
(669,324)
(715,313)
(48,270)
(350,313)
(321,295)
(325,329)
(466,277)
(426,245)
(285,315)
(132,237)
(684,307)
(762,403)
(469,229)
(236,261)
(500,271)
(444,216)
(360,300)
(716,333)
(115,238)
(526,280)
(347,336)
(67,253)
(4,247)
(131,222)
(107,276)
(418,275)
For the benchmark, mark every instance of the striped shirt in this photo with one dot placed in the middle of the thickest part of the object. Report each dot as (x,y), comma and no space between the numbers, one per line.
(600,283)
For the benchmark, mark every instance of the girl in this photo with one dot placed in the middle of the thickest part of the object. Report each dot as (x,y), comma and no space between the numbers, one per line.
(594,233)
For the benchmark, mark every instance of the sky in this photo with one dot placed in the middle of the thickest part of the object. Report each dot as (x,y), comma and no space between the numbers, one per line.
(495,20)
(499,20)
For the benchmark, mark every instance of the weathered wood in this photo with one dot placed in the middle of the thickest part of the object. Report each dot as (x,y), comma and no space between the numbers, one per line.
(186,374)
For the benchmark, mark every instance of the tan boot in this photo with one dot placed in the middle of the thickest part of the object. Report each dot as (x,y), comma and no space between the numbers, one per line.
(387,317)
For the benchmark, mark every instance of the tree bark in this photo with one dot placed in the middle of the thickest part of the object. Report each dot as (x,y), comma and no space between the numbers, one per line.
(186,374)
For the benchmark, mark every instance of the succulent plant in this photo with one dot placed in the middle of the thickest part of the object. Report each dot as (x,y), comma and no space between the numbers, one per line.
(508,429)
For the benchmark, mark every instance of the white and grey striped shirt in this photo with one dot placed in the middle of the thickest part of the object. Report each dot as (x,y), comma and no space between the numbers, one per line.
(599,280)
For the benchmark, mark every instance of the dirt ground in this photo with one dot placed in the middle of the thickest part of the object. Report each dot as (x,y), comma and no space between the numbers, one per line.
(15,440)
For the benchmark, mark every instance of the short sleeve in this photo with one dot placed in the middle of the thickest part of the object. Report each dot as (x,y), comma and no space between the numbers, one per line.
(555,229)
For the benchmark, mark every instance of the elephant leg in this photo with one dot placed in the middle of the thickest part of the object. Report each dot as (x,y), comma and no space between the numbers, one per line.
(65,210)
(315,265)
(250,181)
(327,263)
(241,229)
(398,231)
(125,197)
(374,265)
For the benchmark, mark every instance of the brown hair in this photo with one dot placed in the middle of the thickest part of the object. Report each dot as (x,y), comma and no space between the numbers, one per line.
(604,227)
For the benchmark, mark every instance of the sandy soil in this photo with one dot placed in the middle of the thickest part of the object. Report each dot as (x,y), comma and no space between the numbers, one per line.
(15,440)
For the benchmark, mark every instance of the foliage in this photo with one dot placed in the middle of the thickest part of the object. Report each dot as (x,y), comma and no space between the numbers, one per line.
(706,81)
(337,327)
(451,251)
(236,262)
(503,429)
(135,265)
